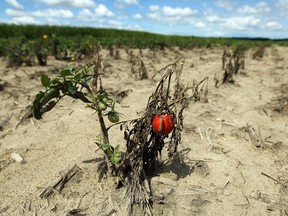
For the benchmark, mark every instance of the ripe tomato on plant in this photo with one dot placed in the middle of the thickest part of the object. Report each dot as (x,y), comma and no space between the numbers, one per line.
(163,124)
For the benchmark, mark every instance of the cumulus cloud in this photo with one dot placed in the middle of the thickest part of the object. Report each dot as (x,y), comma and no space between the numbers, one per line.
(85,15)
(282,6)
(213,18)
(71,3)
(169,11)
(120,4)
(114,23)
(243,23)
(15,13)
(200,24)
(130,1)
(14,4)
(261,7)
(225,4)
(154,8)
(53,13)
(282,3)
(171,15)
(235,22)
(28,16)
(52,21)
(137,16)
(274,25)
(102,11)
(24,20)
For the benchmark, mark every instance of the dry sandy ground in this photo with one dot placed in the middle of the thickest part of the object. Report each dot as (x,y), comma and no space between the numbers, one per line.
(218,170)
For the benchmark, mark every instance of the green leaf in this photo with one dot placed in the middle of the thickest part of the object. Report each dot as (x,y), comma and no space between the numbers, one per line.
(72,90)
(105,147)
(45,80)
(36,106)
(110,154)
(66,72)
(77,77)
(79,95)
(55,81)
(115,160)
(52,93)
(99,138)
(116,150)
(87,78)
(42,98)
(90,68)
(80,70)
(117,154)
(48,107)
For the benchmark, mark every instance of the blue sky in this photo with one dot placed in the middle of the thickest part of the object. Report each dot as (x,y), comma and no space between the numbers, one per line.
(225,18)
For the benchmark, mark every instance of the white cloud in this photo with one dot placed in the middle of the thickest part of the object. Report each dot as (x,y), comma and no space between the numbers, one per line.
(261,7)
(27,16)
(52,21)
(137,16)
(234,22)
(114,23)
(274,25)
(282,6)
(102,11)
(15,4)
(134,27)
(243,23)
(154,8)
(213,18)
(225,4)
(169,15)
(120,4)
(130,1)
(169,11)
(85,15)
(200,24)
(53,13)
(15,13)
(24,20)
(71,3)
(282,3)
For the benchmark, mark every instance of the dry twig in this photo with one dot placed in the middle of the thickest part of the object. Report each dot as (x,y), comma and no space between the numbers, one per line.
(255,139)
(277,181)
(60,182)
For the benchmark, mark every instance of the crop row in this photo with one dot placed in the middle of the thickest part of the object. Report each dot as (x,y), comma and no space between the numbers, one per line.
(20,42)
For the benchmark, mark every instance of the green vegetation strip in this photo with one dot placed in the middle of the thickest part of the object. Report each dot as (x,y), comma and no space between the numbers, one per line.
(134,39)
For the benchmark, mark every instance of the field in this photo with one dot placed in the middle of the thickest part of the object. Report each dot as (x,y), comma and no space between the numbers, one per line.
(219,169)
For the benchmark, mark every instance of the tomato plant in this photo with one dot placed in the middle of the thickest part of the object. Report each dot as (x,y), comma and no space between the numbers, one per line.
(163,124)
(79,83)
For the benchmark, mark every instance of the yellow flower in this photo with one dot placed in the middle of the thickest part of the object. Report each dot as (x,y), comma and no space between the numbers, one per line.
(45,37)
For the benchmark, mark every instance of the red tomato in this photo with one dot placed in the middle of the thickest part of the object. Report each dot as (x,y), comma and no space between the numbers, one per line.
(163,124)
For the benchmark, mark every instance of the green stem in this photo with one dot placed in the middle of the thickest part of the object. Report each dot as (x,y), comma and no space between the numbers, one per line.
(104,131)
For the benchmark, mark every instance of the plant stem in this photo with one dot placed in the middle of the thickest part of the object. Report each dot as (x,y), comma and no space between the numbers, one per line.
(104,132)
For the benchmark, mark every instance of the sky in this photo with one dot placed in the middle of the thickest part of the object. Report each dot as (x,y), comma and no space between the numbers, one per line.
(208,18)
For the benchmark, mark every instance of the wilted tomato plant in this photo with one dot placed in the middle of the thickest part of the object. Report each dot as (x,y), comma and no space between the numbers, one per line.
(163,118)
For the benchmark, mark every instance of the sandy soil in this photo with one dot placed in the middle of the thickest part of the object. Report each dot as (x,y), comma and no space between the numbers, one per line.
(218,170)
